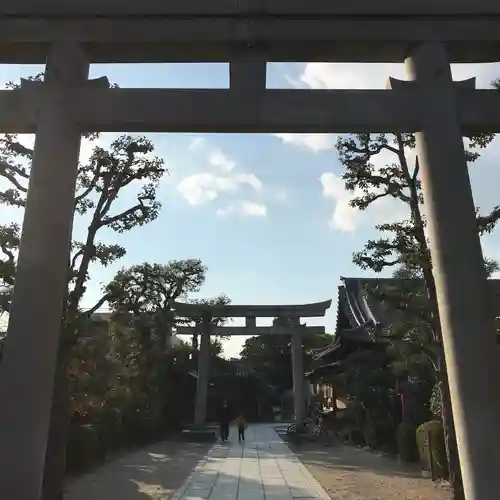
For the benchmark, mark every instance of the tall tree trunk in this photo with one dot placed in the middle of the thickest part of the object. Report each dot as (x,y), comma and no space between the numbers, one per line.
(55,455)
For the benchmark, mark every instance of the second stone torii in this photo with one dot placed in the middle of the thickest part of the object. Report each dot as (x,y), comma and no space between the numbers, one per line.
(288,324)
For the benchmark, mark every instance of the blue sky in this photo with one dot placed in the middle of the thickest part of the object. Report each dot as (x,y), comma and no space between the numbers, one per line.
(267,214)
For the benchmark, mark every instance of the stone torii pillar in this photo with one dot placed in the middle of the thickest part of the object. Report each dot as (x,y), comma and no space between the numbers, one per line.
(200,411)
(466,320)
(27,370)
(297,370)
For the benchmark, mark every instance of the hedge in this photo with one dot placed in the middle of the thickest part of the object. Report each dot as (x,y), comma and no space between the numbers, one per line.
(432,430)
(407,442)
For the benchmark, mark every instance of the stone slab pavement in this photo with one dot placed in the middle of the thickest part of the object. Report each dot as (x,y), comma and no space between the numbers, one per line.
(263,468)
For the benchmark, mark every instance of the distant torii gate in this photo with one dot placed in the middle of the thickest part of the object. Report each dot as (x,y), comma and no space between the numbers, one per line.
(291,326)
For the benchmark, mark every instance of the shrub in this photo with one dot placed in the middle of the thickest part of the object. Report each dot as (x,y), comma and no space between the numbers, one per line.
(432,430)
(82,448)
(386,436)
(140,427)
(380,435)
(353,436)
(407,442)
(435,401)
(370,435)
(110,430)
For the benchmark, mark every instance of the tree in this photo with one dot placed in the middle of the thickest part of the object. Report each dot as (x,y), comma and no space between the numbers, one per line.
(126,165)
(150,288)
(9,243)
(142,296)
(270,357)
(404,243)
(220,300)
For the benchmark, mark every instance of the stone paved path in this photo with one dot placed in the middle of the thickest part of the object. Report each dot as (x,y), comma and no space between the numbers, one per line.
(262,469)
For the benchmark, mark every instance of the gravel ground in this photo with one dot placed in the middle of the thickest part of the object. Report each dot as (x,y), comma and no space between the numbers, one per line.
(349,473)
(152,473)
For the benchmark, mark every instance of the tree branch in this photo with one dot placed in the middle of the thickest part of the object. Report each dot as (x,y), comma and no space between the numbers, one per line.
(486,223)
(74,259)
(91,186)
(111,220)
(18,148)
(4,172)
(371,152)
(96,306)
(416,170)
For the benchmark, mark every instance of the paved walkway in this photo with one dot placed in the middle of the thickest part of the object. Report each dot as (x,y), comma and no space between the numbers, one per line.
(262,469)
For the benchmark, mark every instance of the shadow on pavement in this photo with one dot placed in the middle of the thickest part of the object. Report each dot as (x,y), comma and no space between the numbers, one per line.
(152,473)
(350,458)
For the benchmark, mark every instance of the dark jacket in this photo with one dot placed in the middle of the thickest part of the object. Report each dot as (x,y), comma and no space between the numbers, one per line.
(225,414)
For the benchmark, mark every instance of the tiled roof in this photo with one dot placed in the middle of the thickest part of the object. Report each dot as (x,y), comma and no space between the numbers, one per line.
(358,310)
(381,313)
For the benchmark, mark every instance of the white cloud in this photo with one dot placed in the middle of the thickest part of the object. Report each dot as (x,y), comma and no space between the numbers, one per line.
(347,218)
(375,76)
(197,142)
(314,142)
(254,209)
(222,177)
(250,179)
(348,76)
(218,159)
(344,217)
(364,76)
(206,186)
(199,188)
(244,208)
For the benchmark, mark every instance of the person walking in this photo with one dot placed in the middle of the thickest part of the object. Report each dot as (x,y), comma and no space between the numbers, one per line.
(241,425)
(224,420)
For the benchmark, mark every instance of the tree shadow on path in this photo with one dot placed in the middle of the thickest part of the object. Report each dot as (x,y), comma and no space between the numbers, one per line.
(152,473)
(349,473)
(350,458)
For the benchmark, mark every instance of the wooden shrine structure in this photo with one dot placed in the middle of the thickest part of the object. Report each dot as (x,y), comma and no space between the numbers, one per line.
(366,306)
(70,35)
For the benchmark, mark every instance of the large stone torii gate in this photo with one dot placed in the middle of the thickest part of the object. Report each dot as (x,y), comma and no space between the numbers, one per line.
(68,36)
(291,314)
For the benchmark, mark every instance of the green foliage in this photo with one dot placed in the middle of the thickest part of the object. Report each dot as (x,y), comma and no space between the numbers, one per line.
(372,439)
(404,242)
(415,337)
(269,356)
(220,300)
(146,288)
(110,429)
(127,165)
(125,379)
(142,297)
(407,442)
(9,243)
(82,448)
(432,430)
(435,400)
